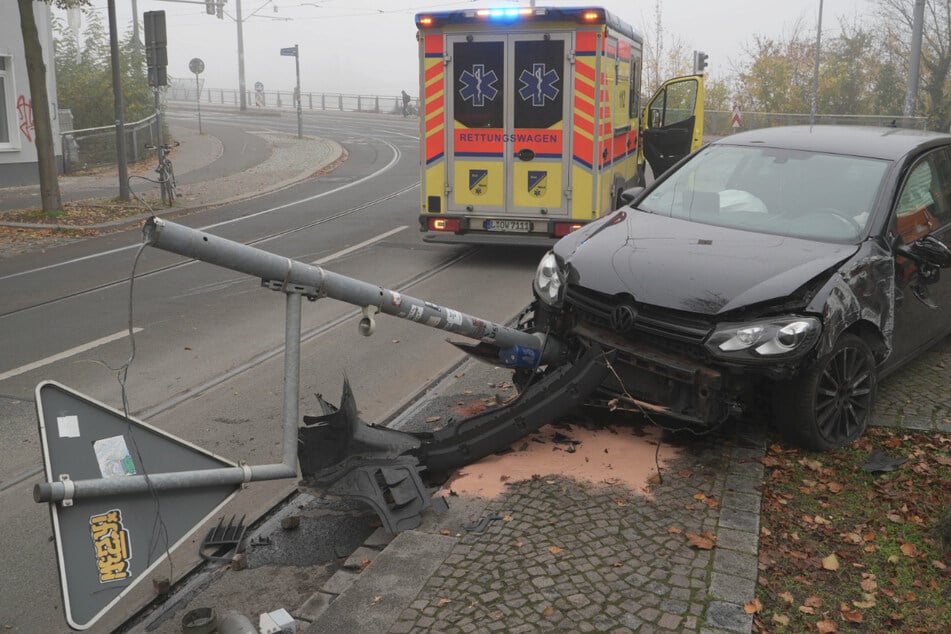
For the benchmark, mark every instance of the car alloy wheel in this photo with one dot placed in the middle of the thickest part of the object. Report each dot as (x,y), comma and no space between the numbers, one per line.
(831,404)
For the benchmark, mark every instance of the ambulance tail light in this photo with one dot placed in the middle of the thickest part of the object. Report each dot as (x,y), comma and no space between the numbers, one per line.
(561,229)
(445,224)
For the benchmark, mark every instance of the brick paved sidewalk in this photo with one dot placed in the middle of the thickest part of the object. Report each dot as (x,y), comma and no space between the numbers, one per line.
(574,557)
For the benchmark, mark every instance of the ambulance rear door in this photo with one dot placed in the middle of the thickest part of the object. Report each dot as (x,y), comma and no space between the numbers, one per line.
(507,151)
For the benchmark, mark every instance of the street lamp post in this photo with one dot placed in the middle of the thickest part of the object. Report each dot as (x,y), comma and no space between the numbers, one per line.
(117,103)
(815,72)
(914,65)
(241,85)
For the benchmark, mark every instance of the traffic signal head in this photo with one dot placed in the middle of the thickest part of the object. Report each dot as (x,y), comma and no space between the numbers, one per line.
(156,56)
(210,7)
(699,62)
(220,6)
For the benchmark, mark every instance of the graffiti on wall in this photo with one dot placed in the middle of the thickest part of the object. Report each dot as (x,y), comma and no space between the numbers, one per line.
(25,112)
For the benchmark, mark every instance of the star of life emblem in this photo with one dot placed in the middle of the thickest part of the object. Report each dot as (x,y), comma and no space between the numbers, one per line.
(478,85)
(538,85)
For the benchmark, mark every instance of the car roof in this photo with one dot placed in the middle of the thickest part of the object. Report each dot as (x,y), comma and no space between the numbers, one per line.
(872,142)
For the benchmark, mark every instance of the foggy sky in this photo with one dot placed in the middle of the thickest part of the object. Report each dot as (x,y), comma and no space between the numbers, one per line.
(369,46)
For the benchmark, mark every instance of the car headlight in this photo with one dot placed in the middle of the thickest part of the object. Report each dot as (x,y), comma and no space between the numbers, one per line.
(549,281)
(769,338)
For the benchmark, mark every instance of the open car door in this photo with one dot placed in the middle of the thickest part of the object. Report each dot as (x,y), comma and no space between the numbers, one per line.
(672,123)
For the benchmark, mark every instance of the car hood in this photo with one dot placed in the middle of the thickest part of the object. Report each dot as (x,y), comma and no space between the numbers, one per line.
(683,265)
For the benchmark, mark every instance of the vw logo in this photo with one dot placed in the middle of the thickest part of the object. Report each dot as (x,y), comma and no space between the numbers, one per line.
(623,317)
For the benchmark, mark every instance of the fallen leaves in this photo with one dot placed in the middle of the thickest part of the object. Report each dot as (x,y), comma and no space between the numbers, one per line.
(874,533)
(753,606)
(831,562)
(704,541)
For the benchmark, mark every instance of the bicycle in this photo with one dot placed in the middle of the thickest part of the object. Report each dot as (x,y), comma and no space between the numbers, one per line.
(166,174)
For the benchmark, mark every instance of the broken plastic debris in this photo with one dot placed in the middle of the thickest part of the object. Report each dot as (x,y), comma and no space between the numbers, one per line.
(278,621)
(878,462)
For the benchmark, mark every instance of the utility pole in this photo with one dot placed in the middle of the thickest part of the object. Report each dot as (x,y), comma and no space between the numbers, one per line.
(914,67)
(241,85)
(135,23)
(118,106)
(815,72)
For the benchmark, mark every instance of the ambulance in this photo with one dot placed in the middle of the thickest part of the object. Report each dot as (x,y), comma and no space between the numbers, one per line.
(531,122)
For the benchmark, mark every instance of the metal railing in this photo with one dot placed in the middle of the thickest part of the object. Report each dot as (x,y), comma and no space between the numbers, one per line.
(96,147)
(284,99)
(716,122)
(720,122)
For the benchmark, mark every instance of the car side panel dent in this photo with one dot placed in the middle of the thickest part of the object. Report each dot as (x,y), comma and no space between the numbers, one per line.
(863,290)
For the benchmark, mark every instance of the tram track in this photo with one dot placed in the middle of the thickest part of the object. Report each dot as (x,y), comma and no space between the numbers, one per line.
(183,263)
(186,395)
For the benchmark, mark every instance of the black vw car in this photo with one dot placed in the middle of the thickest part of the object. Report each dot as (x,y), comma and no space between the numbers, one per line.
(777,273)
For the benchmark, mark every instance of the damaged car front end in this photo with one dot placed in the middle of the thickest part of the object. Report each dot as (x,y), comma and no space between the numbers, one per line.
(756,279)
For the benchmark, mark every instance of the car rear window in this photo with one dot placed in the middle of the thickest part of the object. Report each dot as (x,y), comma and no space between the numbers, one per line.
(812,195)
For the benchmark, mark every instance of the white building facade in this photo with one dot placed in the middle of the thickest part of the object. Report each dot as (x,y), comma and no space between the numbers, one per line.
(18,160)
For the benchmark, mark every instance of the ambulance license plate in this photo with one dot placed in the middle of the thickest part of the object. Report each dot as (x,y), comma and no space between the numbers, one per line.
(518,226)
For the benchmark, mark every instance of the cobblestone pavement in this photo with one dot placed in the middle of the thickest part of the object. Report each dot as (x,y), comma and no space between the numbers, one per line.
(918,395)
(569,556)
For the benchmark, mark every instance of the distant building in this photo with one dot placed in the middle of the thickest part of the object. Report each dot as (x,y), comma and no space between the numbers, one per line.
(17,134)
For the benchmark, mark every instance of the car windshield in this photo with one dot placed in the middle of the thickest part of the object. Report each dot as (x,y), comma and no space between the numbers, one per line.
(810,195)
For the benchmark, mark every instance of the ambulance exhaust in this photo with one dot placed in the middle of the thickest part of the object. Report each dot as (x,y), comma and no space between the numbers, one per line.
(390,470)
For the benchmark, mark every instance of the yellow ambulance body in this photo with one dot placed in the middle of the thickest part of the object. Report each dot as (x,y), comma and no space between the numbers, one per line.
(530,122)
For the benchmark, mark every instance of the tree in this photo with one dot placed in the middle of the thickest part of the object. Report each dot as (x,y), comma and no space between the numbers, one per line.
(84,75)
(847,77)
(935,103)
(36,75)
(779,77)
(661,62)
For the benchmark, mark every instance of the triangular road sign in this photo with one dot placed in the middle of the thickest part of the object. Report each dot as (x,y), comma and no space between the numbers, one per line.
(105,546)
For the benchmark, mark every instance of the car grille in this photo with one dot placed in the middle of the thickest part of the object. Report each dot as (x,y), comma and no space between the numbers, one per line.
(663,324)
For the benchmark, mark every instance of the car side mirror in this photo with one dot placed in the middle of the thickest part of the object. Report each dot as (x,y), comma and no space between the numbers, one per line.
(927,250)
(628,195)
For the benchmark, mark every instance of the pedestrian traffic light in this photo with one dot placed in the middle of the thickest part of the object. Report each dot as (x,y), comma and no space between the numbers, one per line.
(699,62)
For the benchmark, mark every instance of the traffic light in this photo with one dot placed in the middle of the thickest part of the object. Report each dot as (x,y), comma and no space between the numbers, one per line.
(210,7)
(221,9)
(156,55)
(699,62)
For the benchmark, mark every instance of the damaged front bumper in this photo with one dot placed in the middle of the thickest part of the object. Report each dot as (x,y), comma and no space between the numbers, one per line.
(384,468)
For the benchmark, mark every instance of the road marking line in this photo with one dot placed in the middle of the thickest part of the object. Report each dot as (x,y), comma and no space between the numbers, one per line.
(396,157)
(65,354)
(365,243)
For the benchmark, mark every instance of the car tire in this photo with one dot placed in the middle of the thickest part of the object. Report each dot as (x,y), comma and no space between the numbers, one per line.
(830,405)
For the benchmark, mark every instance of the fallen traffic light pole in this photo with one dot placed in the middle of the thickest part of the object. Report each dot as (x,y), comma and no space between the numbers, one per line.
(99,487)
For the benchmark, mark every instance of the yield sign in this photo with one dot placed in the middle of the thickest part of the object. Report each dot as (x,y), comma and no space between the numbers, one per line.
(107,545)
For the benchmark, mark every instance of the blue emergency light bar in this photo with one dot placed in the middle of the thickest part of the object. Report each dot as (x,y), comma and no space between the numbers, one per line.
(525,15)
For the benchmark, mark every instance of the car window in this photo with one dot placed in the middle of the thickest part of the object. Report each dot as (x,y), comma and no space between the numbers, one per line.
(924,203)
(786,192)
(941,187)
(675,103)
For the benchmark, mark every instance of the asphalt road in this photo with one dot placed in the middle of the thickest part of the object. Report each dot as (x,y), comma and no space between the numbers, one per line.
(207,364)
